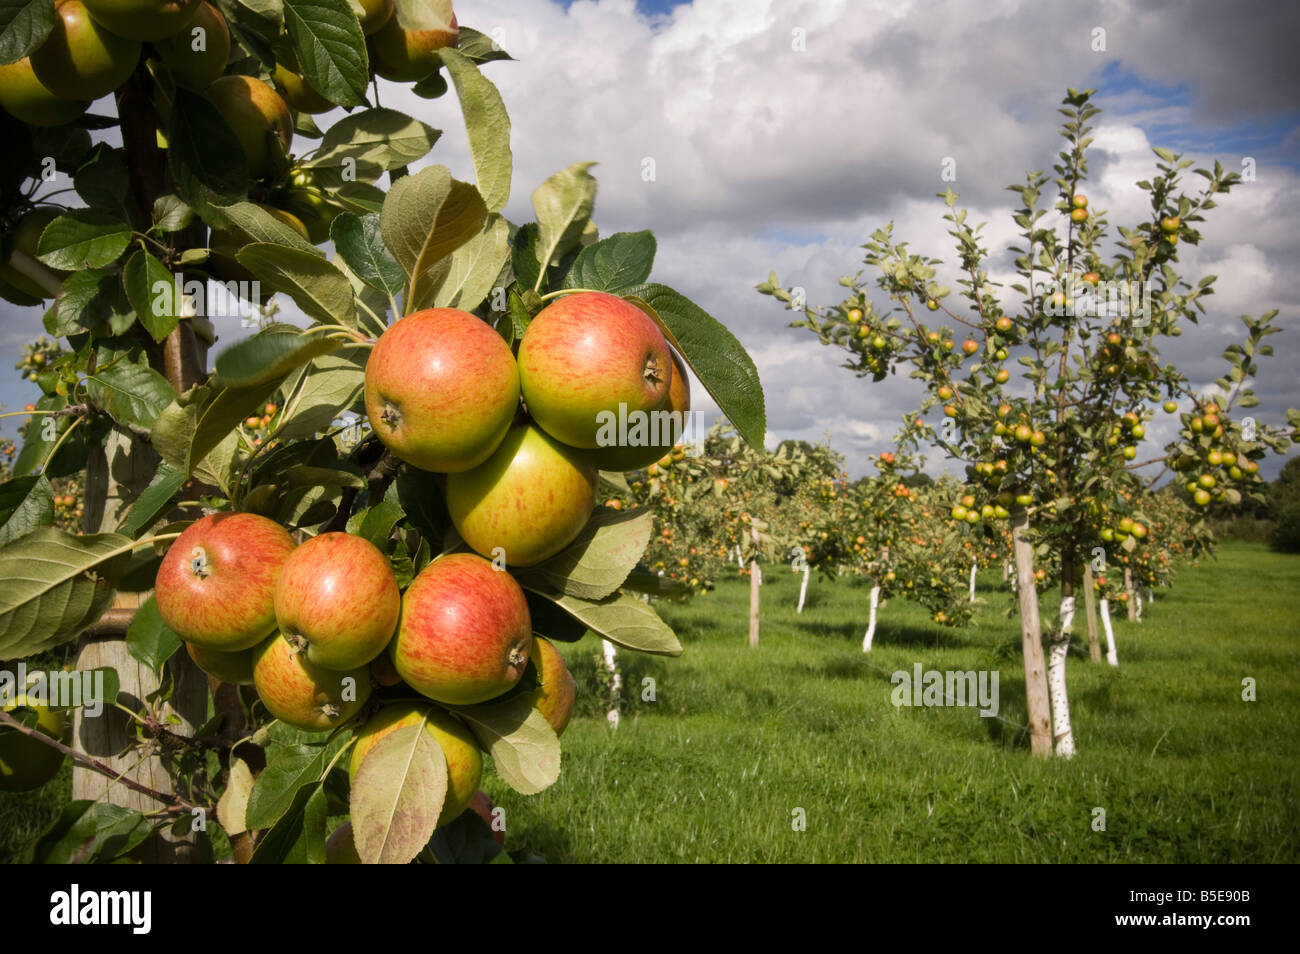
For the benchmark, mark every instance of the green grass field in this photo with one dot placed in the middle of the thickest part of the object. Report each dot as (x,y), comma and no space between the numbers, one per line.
(738,739)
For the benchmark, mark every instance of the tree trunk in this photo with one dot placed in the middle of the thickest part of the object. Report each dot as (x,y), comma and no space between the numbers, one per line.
(615,681)
(1132,596)
(974,567)
(1031,638)
(1112,656)
(1090,604)
(1061,727)
(803,589)
(871,620)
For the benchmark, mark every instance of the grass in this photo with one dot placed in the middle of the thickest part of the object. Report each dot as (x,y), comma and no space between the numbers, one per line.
(737,740)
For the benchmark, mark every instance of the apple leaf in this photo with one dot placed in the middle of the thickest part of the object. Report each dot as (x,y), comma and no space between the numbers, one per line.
(158,313)
(26,504)
(24,26)
(315,820)
(69,459)
(314,284)
(426,217)
(479,47)
(720,361)
(91,831)
(613,264)
(368,143)
(467,840)
(269,356)
(597,562)
(149,639)
(153,500)
(397,796)
(418,493)
(103,181)
(289,770)
(56,585)
(333,385)
(563,205)
(378,523)
(203,174)
(89,298)
(622,619)
(132,393)
(232,806)
(487,124)
(260,225)
(331,48)
(82,239)
(474,268)
(524,748)
(359,243)
(283,844)
(523,255)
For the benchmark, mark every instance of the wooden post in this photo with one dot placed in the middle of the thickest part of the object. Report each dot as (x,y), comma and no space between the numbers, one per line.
(1031,639)
(1090,604)
(755,581)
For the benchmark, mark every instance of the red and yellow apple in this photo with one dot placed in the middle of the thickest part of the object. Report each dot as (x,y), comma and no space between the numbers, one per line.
(235,668)
(405,47)
(304,695)
(554,698)
(662,430)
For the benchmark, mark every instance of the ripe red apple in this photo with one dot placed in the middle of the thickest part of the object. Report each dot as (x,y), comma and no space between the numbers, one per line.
(80,59)
(663,431)
(589,357)
(26,98)
(555,697)
(216,585)
(235,668)
(27,763)
(337,601)
(970,346)
(303,695)
(195,68)
(441,389)
(465,632)
(459,747)
(145,20)
(255,113)
(407,51)
(530,498)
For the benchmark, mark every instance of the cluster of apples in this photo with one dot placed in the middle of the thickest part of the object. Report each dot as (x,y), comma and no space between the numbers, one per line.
(443,389)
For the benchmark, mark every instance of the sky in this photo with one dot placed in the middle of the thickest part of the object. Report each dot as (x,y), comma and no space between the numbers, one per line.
(783,132)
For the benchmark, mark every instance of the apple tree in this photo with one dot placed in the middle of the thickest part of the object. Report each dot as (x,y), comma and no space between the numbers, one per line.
(320,574)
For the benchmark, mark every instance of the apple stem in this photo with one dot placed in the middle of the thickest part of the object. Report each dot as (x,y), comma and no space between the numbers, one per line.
(199,563)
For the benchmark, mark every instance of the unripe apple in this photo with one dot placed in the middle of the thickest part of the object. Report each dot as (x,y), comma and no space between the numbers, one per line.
(235,668)
(530,498)
(216,585)
(80,59)
(465,631)
(459,747)
(630,457)
(1004,324)
(145,20)
(372,14)
(298,93)
(25,238)
(555,697)
(441,389)
(1079,215)
(1202,497)
(408,52)
(337,601)
(944,392)
(26,98)
(27,763)
(970,346)
(1079,201)
(1003,376)
(303,695)
(1038,439)
(589,358)
(197,68)
(1207,481)
(255,113)
(1170,224)
(855,315)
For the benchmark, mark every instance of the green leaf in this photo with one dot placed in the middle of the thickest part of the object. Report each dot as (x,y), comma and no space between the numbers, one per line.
(103,181)
(622,619)
(334,384)
(284,843)
(378,523)
(475,267)
(256,224)
(488,126)
(330,47)
(133,393)
(305,475)
(597,562)
(524,748)
(419,495)
(166,482)
(613,264)
(24,26)
(87,299)
(26,504)
(369,143)
(426,217)
(479,47)
(288,771)
(56,585)
(523,255)
(397,796)
(91,831)
(563,205)
(156,310)
(717,358)
(171,214)
(83,239)
(203,174)
(360,244)
(149,639)
(467,840)
(315,818)
(315,285)
(268,356)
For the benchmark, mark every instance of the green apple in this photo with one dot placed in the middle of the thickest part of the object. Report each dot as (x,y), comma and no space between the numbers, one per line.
(441,390)
(528,500)
(298,93)
(590,358)
(465,633)
(145,20)
(26,98)
(303,695)
(555,697)
(405,48)
(197,54)
(24,238)
(235,668)
(337,601)
(216,585)
(257,115)
(459,748)
(80,59)
(27,763)
(372,14)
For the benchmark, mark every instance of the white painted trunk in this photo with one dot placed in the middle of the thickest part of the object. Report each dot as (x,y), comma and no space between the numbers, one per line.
(803,589)
(1137,597)
(1007,569)
(616,681)
(1112,656)
(1151,595)
(1061,728)
(871,620)
(973,568)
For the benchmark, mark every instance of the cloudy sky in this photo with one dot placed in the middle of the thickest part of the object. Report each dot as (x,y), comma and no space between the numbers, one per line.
(783,132)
